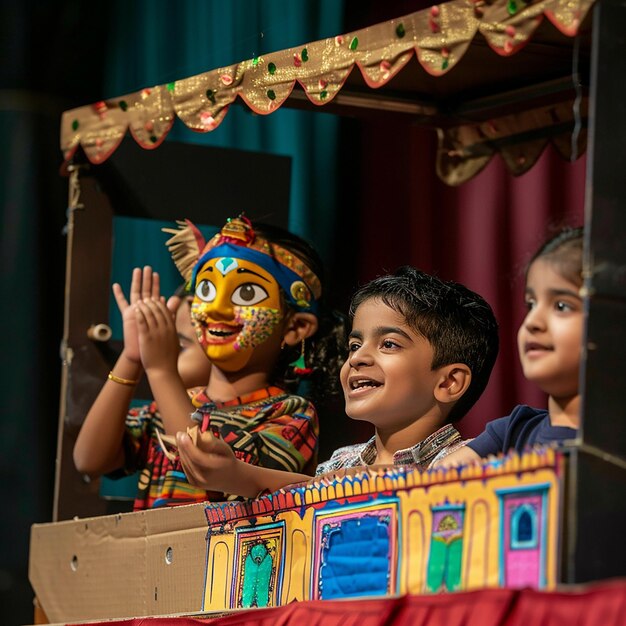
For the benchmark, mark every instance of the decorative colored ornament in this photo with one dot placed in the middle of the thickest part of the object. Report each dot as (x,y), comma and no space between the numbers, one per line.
(297,61)
(171,86)
(385,68)
(323,95)
(271,94)
(75,125)
(511,7)
(123,105)
(432,20)
(354,44)
(299,365)
(509,43)
(226,79)
(400,32)
(227,264)
(153,139)
(271,68)
(149,126)
(238,230)
(100,108)
(338,40)
(145,93)
(207,120)
(300,293)
(304,55)
(255,61)
(210,94)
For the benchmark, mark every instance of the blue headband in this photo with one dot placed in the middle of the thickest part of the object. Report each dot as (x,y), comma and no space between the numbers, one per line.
(298,294)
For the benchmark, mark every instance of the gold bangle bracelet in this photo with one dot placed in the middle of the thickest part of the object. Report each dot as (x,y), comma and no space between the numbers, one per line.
(122,381)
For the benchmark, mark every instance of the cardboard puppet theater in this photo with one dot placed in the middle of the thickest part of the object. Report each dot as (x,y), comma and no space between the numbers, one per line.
(503,523)
(372,534)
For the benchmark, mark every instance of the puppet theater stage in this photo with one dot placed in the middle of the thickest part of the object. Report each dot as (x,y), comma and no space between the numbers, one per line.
(523,539)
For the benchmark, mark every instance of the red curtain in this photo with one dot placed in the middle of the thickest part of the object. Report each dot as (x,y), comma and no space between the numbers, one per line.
(603,604)
(479,233)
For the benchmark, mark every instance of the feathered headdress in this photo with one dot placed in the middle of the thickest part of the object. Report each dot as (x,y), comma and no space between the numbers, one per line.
(185,246)
(237,239)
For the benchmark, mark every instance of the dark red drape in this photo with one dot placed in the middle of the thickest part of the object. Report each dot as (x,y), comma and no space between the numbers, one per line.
(479,233)
(599,604)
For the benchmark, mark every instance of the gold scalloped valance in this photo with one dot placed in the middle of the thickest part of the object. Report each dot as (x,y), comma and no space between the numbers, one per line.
(437,37)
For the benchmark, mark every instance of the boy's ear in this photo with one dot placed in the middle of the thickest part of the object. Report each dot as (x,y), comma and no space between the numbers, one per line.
(453,383)
(299,326)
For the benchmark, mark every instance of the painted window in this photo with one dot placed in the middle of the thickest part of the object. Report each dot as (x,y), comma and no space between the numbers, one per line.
(524,528)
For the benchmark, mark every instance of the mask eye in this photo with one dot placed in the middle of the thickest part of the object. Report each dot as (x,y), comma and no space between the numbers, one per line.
(205,291)
(248,294)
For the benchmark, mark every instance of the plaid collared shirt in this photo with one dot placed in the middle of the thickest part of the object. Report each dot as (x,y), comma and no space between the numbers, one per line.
(423,454)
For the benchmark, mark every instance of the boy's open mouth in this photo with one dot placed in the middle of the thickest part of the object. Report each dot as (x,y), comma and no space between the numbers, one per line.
(363,383)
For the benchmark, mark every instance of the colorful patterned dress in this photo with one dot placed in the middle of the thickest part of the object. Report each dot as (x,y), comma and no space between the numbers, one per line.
(267,427)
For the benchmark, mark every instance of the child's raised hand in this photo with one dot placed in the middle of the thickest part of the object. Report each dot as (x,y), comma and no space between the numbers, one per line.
(210,463)
(144,284)
(158,339)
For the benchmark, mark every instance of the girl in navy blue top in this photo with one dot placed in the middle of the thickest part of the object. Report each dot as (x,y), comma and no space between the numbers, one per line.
(549,341)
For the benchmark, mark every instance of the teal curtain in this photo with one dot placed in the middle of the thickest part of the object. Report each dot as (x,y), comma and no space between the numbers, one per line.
(158,41)
(131,44)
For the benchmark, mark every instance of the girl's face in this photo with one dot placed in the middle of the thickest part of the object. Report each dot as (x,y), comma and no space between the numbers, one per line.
(237,308)
(550,337)
(193,366)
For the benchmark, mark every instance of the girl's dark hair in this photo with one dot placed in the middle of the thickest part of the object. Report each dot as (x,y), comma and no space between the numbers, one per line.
(564,250)
(457,322)
(325,351)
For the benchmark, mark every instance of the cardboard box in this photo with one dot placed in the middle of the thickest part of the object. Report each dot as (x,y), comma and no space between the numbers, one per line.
(131,564)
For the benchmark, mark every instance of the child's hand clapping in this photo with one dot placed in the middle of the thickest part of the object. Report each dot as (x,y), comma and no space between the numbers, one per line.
(159,346)
(144,284)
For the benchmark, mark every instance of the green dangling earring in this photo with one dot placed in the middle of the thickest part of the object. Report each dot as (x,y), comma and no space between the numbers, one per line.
(299,365)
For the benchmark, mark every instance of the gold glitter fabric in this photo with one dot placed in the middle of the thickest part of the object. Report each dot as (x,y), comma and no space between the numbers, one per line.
(438,37)
(464,150)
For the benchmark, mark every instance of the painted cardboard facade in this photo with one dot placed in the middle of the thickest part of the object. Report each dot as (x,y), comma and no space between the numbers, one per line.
(391,533)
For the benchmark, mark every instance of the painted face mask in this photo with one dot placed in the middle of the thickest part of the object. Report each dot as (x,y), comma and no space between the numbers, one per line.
(240,283)
(236,307)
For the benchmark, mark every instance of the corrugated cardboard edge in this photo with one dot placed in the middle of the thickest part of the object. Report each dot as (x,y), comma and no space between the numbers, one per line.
(125,620)
(145,563)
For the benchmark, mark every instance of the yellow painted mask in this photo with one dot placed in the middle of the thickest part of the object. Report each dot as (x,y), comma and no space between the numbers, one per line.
(237,306)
